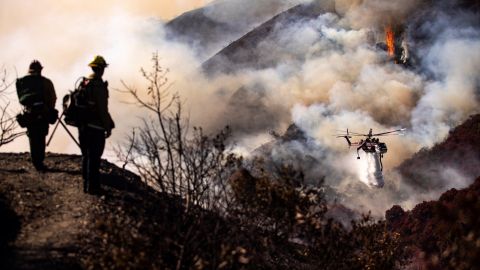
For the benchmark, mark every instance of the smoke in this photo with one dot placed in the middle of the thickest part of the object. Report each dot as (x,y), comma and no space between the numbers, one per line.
(373,13)
(322,74)
(239,12)
(429,100)
(454,96)
(331,76)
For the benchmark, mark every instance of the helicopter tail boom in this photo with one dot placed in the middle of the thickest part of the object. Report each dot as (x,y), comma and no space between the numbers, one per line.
(348,140)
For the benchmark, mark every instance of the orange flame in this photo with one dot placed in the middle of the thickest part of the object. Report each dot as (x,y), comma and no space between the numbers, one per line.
(390,40)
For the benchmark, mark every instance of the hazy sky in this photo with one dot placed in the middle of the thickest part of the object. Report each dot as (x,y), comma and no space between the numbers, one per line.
(65,35)
(165,9)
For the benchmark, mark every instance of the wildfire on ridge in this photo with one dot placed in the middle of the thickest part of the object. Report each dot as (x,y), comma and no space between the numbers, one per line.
(390,40)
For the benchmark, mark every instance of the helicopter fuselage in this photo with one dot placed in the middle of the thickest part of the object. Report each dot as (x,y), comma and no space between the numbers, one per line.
(374,147)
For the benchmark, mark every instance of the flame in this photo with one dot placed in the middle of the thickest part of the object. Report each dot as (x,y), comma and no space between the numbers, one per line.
(390,40)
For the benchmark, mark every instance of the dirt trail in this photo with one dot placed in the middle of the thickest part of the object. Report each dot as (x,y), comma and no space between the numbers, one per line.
(55,215)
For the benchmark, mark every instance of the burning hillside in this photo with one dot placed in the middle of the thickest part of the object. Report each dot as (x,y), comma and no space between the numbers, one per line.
(321,65)
(332,65)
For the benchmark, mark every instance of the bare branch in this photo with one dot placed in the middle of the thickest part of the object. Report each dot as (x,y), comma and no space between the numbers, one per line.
(162,153)
(8,123)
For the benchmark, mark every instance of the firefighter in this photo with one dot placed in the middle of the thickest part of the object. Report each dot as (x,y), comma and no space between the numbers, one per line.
(39,100)
(97,127)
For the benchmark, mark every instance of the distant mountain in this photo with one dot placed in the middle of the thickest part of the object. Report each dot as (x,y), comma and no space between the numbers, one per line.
(211,28)
(199,30)
(247,52)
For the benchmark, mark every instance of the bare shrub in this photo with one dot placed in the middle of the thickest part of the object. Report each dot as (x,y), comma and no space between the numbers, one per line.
(167,154)
(8,124)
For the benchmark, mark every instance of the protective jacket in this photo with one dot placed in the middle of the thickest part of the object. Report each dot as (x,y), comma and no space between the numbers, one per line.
(49,96)
(98,98)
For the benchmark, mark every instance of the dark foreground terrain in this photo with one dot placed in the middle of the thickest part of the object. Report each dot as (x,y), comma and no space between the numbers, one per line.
(48,223)
(52,223)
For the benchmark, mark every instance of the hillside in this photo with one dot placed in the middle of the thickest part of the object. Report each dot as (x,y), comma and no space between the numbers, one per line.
(202,32)
(247,51)
(51,224)
(57,226)
(212,27)
(431,169)
(48,223)
(443,234)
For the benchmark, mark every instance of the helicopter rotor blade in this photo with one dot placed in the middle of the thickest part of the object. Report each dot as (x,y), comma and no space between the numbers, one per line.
(349,135)
(350,132)
(390,132)
(353,134)
(389,135)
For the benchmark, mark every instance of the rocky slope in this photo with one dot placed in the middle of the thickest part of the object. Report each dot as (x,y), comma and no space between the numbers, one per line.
(275,41)
(443,234)
(459,155)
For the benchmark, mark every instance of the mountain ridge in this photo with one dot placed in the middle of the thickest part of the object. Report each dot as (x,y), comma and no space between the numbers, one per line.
(243,53)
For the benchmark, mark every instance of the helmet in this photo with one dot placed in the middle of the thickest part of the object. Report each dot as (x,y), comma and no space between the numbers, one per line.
(98,61)
(35,66)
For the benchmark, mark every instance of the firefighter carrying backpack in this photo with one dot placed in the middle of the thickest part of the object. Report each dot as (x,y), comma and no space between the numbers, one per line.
(30,90)
(30,93)
(76,106)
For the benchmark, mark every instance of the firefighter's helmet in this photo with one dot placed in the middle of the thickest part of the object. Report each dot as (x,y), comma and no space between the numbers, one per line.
(35,66)
(98,61)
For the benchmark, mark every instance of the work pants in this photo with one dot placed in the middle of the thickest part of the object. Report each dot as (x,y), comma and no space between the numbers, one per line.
(92,144)
(37,132)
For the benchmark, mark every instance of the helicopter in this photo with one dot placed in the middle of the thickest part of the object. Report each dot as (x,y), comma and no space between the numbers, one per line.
(370,144)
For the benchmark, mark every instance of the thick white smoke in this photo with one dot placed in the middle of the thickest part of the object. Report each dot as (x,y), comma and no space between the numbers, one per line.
(452,97)
(66,36)
(331,77)
(327,75)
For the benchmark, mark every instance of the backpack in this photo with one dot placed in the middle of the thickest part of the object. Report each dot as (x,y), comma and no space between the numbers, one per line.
(30,90)
(76,106)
